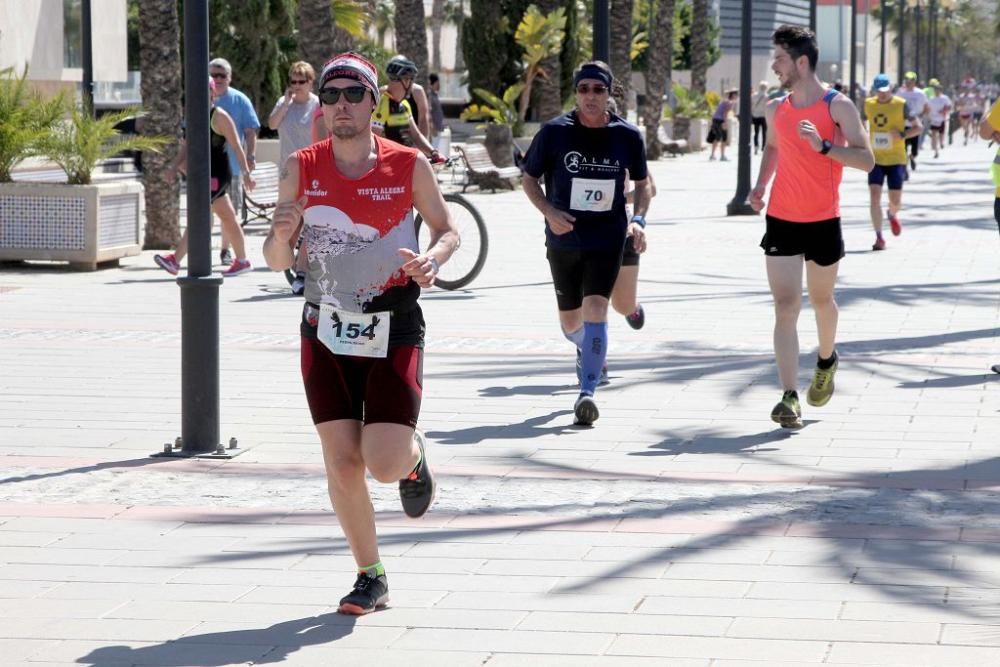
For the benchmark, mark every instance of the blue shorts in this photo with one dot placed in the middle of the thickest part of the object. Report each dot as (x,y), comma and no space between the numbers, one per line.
(894,173)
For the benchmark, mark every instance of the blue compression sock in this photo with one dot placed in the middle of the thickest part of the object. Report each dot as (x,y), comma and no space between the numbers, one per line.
(595,351)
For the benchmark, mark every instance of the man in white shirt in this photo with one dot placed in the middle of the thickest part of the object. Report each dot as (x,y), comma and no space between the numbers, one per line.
(940,109)
(916,101)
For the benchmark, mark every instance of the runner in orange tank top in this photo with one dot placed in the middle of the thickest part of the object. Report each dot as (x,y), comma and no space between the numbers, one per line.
(817,132)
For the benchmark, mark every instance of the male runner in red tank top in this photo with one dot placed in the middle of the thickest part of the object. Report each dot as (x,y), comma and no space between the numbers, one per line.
(362,330)
(816,132)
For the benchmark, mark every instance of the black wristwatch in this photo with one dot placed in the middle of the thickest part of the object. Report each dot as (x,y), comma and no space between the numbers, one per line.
(639,220)
(827,145)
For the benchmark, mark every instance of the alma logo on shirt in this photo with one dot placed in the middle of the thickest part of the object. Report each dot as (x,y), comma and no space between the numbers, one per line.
(315,192)
(576,162)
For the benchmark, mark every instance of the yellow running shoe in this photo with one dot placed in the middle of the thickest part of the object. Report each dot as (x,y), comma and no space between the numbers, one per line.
(821,390)
(787,412)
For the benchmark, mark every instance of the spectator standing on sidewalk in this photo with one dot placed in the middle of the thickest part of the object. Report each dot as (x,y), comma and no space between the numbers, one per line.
(241,110)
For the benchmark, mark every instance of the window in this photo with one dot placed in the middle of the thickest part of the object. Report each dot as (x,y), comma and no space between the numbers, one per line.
(72,34)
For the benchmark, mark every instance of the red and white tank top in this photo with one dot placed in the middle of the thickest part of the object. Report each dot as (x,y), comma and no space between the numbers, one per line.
(354,229)
(807,183)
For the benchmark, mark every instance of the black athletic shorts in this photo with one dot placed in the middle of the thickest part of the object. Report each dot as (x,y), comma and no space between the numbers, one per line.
(821,242)
(629,256)
(580,273)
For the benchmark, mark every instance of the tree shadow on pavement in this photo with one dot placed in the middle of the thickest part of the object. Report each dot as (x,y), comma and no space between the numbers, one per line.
(529,428)
(715,442)
(83,470)
(259,646)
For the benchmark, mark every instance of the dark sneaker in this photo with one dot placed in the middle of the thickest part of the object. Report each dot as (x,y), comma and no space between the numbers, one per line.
(369,594)
(637,319)
(585,411)
(879,243)
(167,262)
(416,492)
(894,224)
(605,380)
(913,163)
(821,390)
(787,412)
(225,256)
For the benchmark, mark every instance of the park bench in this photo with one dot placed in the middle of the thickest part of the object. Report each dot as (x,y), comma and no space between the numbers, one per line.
(257,205)
(480,170)
(672,147)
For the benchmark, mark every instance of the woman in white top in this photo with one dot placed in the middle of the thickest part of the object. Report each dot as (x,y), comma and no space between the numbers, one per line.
(293,112)
(292,117)
(758,105)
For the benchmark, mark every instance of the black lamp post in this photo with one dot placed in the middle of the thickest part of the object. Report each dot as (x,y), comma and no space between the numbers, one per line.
(87,58)
(602,31)
(881,51)
(739,204)
(854,49)
(916,41)
(812,16)
(901,5)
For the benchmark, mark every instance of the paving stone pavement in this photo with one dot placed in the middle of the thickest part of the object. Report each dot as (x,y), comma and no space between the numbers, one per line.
(682,530)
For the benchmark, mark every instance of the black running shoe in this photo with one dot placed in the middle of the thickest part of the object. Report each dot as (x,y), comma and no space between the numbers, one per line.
(416,492)
(225,257)
(369,594)
(585,411)
(637,319)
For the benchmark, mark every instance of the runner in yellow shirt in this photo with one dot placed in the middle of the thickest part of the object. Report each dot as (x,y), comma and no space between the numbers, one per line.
(890,123)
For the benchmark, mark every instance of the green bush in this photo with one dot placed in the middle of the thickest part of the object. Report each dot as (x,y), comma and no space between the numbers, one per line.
(25,120)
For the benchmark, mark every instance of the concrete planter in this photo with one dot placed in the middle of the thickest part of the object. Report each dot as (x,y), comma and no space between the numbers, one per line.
(85,225)
(697,132)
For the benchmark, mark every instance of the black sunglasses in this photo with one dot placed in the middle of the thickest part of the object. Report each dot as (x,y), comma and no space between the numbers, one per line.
(331,95)
(298,82)
(218,75)
(597,90)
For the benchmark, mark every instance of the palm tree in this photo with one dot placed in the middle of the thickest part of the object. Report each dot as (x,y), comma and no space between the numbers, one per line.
(659,58)
(383,20)
(454,12)
(437,22)
(549,94)
(315,32)
(160,60)
(621,50)
(411,35)
(699,46)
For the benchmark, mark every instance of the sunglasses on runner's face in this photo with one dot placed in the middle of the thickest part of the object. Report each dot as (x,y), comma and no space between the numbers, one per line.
(298,82)
(331,95)
(586,90)
(219,75)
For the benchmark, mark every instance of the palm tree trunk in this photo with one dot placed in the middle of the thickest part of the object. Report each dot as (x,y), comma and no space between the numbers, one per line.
(659,58)
(699,47)
(411,35)
(621,51)
(549,96)
(437,22)
(160,61)
(315,32)
(459,25)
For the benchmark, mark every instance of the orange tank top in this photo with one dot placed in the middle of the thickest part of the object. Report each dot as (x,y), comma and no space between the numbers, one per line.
(807,183)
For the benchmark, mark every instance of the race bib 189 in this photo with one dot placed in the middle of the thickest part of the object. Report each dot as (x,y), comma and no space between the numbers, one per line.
(592,194)
(882,141)
(354,334)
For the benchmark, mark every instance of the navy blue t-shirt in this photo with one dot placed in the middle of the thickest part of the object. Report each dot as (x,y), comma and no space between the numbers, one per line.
(584,170)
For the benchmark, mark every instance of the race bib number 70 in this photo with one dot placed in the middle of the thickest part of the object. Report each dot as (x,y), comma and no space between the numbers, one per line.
(592,194)
(354,334)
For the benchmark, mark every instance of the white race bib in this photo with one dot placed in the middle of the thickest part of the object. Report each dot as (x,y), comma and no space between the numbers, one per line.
(592,194)
(882,141)
(354,334)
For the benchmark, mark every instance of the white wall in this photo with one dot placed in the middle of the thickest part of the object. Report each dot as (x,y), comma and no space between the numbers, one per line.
(32,31)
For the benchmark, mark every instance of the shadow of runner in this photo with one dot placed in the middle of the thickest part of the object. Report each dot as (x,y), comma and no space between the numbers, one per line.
(259,646)
(529,428)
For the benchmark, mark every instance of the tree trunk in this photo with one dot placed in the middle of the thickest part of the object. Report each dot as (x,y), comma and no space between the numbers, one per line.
(315,32)
(699,47)
(437,22)
(459,26)
(411,35)
(621,51)
(160,60)
(549,95)
(659,59)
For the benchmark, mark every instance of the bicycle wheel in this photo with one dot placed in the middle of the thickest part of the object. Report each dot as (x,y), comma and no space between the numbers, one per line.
(470,257)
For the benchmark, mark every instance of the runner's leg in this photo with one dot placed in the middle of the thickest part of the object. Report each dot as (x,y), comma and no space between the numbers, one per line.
(784,276)
(223,207)
(820,281)
(624,298)
(875,208)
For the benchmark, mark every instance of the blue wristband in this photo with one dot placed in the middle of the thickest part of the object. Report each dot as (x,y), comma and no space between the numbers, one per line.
(639,220)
